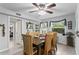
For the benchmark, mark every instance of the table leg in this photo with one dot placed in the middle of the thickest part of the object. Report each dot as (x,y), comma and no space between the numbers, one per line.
(39,49)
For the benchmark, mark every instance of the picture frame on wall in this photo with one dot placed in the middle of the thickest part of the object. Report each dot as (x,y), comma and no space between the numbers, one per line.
(69,24)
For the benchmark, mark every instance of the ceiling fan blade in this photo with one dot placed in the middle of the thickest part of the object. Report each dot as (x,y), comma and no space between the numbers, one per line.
(49,11)
(33,11)
(35,4)
(52,5)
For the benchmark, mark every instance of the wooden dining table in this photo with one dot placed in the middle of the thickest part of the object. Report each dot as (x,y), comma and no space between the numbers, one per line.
(38,42)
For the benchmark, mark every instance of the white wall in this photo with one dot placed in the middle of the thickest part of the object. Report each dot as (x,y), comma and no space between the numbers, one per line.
(18,32)
(4,40)
(24,27)
(77,29)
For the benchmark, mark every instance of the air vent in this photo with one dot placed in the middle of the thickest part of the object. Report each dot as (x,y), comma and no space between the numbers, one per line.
(18,14)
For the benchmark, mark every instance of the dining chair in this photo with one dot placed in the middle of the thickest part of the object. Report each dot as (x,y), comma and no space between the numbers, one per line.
(48,45)
(33,33)
(28,46)
(54,41)
(36,33)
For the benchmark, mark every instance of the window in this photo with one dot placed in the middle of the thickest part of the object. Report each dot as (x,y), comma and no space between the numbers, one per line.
(43,27)
(58,26)
(29,26)
(43,24)
(37,28)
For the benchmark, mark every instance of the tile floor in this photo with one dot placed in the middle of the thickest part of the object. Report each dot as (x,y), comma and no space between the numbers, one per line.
(12,51)
(65,50)
(62,50)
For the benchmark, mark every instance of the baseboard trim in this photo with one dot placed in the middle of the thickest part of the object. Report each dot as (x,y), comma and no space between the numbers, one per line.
(4,49)
(76,51)
(61,43)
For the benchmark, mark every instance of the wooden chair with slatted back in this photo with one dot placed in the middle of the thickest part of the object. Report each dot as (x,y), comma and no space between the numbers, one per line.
(33,33)
(28,46)
(54,41)
(48,44)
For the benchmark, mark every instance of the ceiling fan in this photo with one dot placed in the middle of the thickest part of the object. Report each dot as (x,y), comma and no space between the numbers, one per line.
(43,7)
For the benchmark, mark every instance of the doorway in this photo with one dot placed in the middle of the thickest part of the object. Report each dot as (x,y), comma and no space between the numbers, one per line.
(15,32)
(12,26)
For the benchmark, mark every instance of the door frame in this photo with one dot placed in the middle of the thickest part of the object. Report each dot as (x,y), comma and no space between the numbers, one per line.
(18,19)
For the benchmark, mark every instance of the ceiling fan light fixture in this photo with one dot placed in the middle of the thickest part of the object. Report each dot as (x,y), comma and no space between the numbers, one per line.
(41,12)
(43,8)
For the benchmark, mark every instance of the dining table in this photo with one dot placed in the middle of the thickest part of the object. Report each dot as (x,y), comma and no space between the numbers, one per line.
(38,42)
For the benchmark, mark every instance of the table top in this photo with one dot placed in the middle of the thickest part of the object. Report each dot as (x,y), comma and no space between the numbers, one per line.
(38,41)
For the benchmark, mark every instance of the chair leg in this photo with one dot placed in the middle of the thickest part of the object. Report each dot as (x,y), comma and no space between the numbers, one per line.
(50,52)
(46,53)
(24,53)
(56,47)
(54,52)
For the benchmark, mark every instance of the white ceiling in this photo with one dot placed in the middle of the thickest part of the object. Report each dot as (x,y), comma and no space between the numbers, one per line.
(60,9)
